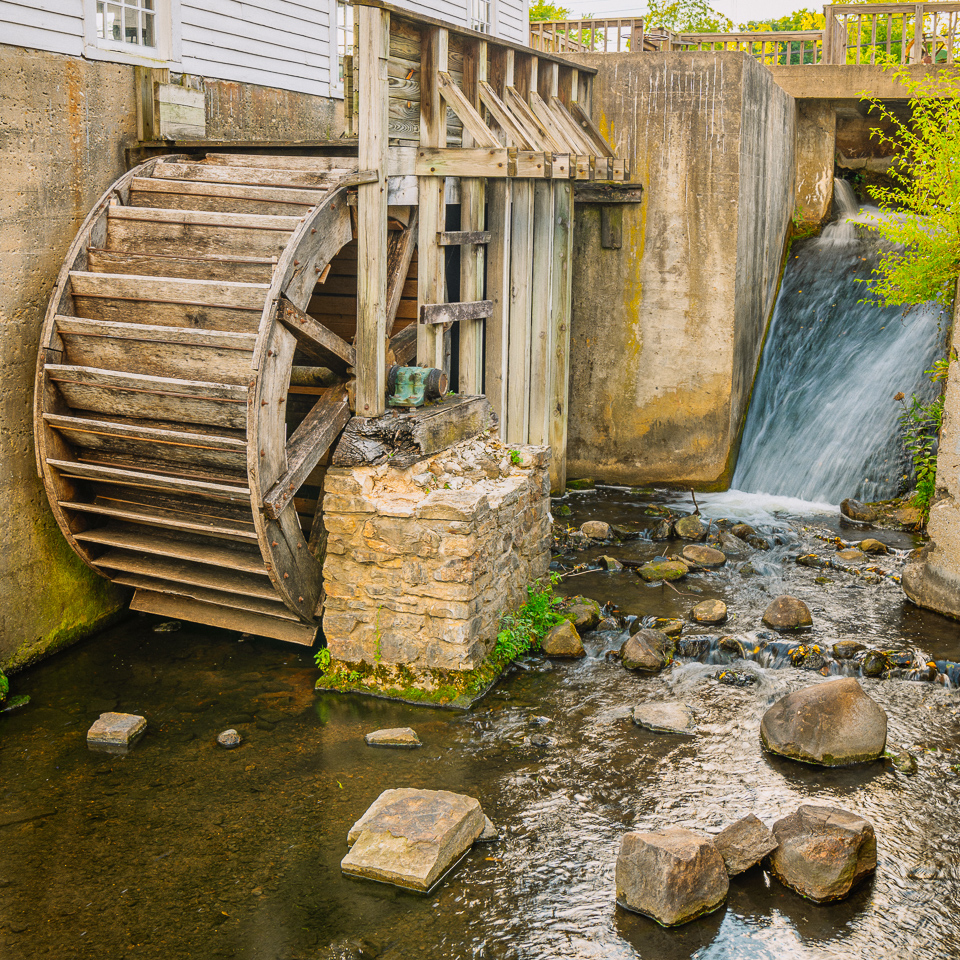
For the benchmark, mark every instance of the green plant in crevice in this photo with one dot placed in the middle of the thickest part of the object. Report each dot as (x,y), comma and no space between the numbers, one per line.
(920,423)
(515,458)
(523,629)
(322,660)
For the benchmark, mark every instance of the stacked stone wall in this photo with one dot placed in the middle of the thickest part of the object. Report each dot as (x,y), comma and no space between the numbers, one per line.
(422,562)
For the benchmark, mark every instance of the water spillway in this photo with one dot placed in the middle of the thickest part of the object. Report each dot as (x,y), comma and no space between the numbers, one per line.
(822,423)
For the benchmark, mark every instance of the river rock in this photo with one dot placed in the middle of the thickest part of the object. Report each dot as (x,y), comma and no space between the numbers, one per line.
(563,641)
(908,516)
(690,527)
(400,738)
(583,484)
(662,569)
(744,844)
(823,852)
(411,837)
(855,510)
(709,611)
(846,649)
(873,546)
(703,556)
(610,563)
(873,664)
(647,650)
(584,614)
(661,530)
(116,732)
(743,531)
(733,544)
(596,530)
(849,554)
(671,875)
(672,628)
(665,717)
(787,613)
(229,740)
(831,724)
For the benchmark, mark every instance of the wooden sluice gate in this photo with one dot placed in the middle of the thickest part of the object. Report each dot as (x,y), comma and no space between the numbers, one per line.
(219,320)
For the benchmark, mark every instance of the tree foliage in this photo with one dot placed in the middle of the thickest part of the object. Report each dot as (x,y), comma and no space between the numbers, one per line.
(803,19)
(922,206)
(686,16)
(547,11)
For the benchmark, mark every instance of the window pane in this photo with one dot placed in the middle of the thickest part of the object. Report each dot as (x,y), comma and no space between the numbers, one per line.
(131,26)
(147,4)
(148,36)
(101,26)
(114,31)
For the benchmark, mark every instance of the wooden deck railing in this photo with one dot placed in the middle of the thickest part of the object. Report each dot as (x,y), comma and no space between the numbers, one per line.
(878,33)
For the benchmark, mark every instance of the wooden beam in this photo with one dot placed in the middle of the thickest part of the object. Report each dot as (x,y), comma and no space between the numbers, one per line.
(499,222)
(465,162)
(518,327)
(463,238)
(513,131)
(453,312)
(312,336)
(469,116)
(608,193)
(403,345)
(562,279)
(579,115)
(532,129)
(554,126)
(308,445)
(433,133)
(582,143)
(541,345)
(399,256)
(374,51)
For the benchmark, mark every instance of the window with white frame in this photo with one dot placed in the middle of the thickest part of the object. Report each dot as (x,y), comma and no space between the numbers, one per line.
(481,15)
(132,31)
(344,15)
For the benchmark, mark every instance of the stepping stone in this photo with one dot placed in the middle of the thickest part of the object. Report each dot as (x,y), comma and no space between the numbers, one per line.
(116,732)
(665,717)
(410,838)
(562,641)
(402,738)
(703,556)
(744,844)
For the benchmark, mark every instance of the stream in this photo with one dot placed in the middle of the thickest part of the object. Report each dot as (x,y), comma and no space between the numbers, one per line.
(184,850)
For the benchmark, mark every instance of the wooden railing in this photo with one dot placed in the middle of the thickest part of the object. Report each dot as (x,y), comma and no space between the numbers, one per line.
(877,33)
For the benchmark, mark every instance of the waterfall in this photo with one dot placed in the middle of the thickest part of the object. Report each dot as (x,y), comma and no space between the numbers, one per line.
(822,423)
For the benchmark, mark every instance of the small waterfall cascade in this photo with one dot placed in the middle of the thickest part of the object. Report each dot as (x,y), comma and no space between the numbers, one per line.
(823,424)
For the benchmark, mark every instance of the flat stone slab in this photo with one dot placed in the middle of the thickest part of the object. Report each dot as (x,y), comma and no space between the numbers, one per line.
(665,718)
(744,844)
(400,738)
(410,838)
(116,732)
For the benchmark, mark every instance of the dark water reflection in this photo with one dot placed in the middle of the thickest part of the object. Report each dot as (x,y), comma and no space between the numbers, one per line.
(183,850)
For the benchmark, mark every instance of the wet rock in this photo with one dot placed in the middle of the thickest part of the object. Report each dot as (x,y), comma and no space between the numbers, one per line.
(611,563)
(562,641)
(662,569)
(608,624)
(733,544)
(904,761)
(695,648)
(873,663)
(690,528)
(17,702)
(808,657)
(672,628)
(665,717)
(629,530)
(703,556)
(229,739)
(584,614)
(849,554)
(744,844)
(490,833)
(661,530)
(733,647)
(647,650)
(736,678)
(823,852)
(709,611)
(855,510)
(116,732)
(831,724)
(846,649)
(348,948)
(787,613)
(671,875)
(584,484)
(410,837)
(743,531)
(561,511)
(909,517)
(401,738)
(596,530)
(812,560)
(748,570)
(873,546)
(541,740)
(168,626)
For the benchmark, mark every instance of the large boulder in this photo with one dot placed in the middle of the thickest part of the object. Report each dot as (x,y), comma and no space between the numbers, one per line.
(647,650)
(744,844)
(662,569)
(410,837)
(584,614)
(670,875)
(823,852)
(596,530)
(563,641)
(787,613)
(690,528)
(831,724)
(701,556)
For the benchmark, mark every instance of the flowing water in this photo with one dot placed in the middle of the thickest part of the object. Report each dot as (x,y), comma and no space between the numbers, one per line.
(822,423)
(183,850)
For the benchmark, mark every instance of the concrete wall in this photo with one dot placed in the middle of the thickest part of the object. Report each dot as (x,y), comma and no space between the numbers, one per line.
(64,125)
(666,331)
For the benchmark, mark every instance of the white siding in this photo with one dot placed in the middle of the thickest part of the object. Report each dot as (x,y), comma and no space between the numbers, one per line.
(55,25)
(512,21)
(453,11)
(274,43)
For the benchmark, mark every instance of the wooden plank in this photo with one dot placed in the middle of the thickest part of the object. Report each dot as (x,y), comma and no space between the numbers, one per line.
(150,516)
(205,218)
(222,197)
(244,269)
(580,116)
(224,340)
(192,238)
(561,276)
(403,345)
(562,137)
(499,221)
(468,114)
(242,621)
(611,227)
(178,547)
(400,250)
(608,193)
(544,137)
(541,346)
(309,443)
(138,430)
(254,176)
(515,134)
(453,312)
(472,162)
(151,481)
(519,318)
(372,215)
(332,166)
(313,337)
(460,238)
(213,293)
(575,136)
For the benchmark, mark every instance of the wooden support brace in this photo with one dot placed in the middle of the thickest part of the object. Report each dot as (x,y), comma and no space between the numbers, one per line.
(399,257)
(591,130)
(313,337)
(452,312)
(465,111)
(512,128)
(462,238)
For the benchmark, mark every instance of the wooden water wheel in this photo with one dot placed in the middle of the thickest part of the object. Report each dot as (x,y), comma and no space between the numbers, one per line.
(164,400)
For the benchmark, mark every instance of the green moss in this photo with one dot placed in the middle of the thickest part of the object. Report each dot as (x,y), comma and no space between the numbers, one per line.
(4,687)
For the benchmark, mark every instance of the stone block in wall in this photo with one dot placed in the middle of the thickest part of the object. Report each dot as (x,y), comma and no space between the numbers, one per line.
(422,562)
